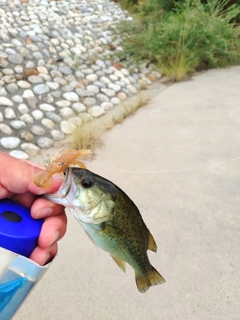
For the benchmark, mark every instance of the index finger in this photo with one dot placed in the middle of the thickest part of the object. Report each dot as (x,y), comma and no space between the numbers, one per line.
(16,177)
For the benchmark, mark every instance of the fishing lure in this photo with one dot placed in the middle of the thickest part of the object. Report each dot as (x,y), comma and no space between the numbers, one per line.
(59,163)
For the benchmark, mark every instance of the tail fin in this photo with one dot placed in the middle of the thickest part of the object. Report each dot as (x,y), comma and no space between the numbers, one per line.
(145,281)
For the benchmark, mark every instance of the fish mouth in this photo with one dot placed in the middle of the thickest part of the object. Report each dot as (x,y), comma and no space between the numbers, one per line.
(66,192)
(69,195)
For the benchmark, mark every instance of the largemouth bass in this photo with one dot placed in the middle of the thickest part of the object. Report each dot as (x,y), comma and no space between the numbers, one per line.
(112,221)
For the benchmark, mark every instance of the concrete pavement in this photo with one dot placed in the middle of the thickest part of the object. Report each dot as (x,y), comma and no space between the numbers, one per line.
(178,158)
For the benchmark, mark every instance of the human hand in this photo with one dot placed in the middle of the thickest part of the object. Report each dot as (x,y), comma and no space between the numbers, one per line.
(16,183)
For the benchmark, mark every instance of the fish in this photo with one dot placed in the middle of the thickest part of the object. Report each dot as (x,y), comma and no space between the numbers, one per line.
(111,220)
(59,163)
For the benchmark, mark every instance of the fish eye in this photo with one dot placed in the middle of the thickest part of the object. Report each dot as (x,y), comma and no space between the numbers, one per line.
(86,183)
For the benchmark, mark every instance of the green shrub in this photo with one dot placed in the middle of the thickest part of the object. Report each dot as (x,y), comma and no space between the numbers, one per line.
(167,5)
(192,36)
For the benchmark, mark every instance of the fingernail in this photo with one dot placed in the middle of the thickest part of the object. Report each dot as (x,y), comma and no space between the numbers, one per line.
(40,191)
(55,237)
(58,177)
(44,212)
(47,256)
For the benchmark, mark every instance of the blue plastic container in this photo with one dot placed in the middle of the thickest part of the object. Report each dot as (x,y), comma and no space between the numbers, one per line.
(19,232)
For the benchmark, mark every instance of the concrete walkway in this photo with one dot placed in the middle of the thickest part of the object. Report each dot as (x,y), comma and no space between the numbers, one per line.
(178,158)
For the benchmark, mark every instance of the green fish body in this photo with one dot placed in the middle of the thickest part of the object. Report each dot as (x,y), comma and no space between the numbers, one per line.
(112,221)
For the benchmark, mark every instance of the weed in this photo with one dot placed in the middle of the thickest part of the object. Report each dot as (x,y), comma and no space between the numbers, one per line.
(85,136)
(92,57)
(194,35)
(126,111)
(74,61)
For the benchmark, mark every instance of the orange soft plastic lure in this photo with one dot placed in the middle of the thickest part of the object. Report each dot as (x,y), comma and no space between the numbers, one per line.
(59,164)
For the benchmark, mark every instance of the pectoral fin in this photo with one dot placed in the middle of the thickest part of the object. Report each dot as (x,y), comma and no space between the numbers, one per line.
(90,238)
(97,227)
(120,263)
(151,243)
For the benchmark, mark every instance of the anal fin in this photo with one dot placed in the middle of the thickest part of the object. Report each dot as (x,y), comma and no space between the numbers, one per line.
(120,263)
(151,243)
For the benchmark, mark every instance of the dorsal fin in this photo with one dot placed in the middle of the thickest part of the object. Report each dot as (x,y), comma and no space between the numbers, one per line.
(151,243)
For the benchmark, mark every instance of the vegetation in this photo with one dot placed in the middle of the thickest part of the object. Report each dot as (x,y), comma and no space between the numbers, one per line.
(85,136)
(127,111)
(181,37)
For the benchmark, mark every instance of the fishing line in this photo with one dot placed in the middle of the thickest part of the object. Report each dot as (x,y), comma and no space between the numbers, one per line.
(168,170)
